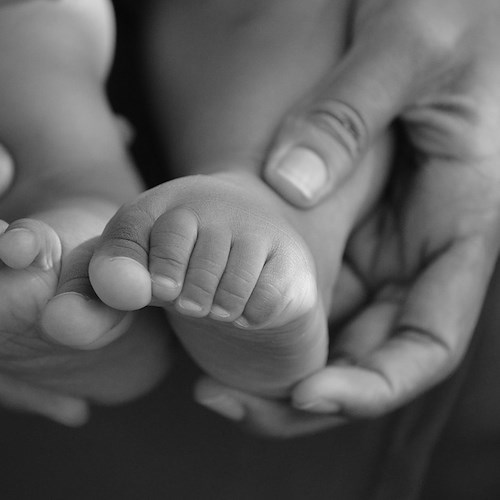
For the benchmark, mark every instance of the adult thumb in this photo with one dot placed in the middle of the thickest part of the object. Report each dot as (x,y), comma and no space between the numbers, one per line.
(320,143)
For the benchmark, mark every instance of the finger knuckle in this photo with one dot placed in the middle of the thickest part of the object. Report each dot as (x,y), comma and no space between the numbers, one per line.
(341,123)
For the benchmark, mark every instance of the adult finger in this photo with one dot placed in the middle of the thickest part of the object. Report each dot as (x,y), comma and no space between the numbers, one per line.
(63,409)
(320,143)
(399,351)
(266,417)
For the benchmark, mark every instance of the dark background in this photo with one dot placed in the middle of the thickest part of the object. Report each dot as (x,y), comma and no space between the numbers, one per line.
(164,446)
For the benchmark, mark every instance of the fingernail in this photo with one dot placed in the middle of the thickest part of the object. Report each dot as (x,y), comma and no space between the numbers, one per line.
(164,288)
(303,169)
(318,406)
(226,406)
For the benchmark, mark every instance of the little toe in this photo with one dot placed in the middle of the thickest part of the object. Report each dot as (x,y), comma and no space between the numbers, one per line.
(242,272)
(284,292)
(206,266)
(172,240)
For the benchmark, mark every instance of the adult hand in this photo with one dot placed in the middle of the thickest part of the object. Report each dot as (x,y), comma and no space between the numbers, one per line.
(419,268)
(434,65)
(424,260)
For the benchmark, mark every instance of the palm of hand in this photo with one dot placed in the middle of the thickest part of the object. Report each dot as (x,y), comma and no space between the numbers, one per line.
(423,261)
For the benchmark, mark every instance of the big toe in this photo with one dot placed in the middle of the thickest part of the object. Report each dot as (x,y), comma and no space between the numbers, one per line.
(120,282)
(74,320)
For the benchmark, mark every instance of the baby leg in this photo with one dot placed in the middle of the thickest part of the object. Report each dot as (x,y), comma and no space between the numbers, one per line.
(71,170)
(71,174)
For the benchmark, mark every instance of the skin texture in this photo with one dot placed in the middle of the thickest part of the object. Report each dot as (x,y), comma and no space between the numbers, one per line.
(220,126)
(425,258)
(70,177)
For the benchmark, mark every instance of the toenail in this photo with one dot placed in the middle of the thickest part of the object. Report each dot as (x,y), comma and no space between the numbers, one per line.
(219,312)
(163,281)
(242,322)
(189,306)
(225,405)
(27,235)
(128,261)
(318,406)
(121,282)
(18,230)
(164,288)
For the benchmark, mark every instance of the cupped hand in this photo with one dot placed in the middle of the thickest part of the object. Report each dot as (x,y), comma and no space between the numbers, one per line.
(422,263)
(419,268)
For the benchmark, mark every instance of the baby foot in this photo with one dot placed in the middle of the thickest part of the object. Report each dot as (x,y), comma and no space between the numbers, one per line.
(238,282)
(31,255)
(45,297)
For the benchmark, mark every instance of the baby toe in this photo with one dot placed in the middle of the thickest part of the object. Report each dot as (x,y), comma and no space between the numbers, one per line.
(29,242)
(172,240)
(77,321)
(120,282)
(284,292)
(75,316)
(206,266)
(238,281)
